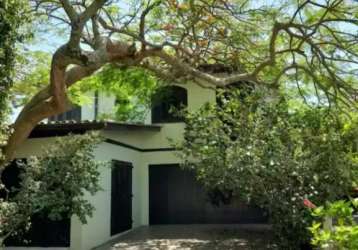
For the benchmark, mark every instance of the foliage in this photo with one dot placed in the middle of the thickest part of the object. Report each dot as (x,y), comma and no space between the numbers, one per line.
(308,44)
(54,184)
(344,234)
(12,17)
(32,74)
(304,43)
(273,156)
(131,87)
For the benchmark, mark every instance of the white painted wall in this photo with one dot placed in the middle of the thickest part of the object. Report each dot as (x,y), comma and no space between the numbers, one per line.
(87,110)
(97,230)
(105,103)
(197,96)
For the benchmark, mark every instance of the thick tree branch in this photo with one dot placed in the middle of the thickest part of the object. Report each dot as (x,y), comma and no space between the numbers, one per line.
(52,100)
(78,23)
(70,11)
(142,21)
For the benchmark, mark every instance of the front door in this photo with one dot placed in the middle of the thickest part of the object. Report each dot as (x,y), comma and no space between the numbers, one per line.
(121,197)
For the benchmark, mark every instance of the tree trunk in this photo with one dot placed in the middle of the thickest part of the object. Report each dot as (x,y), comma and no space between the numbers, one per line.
(2,247)
(328,226)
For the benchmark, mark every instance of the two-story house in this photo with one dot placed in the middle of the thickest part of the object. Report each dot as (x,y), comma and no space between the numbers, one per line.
(146,186)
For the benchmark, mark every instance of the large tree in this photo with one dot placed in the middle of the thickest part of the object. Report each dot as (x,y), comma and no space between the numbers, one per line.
(304,42)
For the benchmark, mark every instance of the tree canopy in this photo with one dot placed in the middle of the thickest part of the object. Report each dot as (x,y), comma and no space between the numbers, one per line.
(309,44)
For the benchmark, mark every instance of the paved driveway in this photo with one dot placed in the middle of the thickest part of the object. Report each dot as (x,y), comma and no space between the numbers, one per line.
(194,237)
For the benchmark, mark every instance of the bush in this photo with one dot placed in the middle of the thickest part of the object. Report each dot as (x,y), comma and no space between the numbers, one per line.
(53,184)
(272,156)
(344,234)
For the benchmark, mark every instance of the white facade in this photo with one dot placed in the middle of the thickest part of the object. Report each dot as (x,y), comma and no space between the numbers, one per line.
(97,230)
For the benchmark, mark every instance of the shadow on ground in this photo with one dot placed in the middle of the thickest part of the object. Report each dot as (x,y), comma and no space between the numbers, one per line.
(195,237)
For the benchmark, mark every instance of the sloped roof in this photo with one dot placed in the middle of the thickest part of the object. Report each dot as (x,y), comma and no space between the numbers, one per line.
(61,128)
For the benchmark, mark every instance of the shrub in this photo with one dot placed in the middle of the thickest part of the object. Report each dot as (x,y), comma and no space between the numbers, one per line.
(53,184)
(272,156)
(344,234)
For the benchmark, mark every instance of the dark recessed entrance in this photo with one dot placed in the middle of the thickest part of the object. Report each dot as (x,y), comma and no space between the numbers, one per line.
(175,197)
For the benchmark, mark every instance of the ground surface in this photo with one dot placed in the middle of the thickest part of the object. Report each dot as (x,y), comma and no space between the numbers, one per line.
(194,237)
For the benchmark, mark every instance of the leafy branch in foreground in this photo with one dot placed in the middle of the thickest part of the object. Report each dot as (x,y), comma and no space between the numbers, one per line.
(54,184)
(343,234)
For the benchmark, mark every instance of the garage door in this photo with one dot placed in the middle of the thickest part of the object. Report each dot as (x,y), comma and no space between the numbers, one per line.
(175,197)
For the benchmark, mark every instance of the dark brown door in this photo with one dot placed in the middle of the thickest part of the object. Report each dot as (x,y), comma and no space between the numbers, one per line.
(175,197)
(121,197)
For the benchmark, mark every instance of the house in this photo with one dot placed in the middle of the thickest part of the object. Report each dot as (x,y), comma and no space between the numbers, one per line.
(146,186)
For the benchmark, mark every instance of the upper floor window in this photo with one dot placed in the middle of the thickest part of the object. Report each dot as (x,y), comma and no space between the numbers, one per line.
(71,115)
(166,100)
